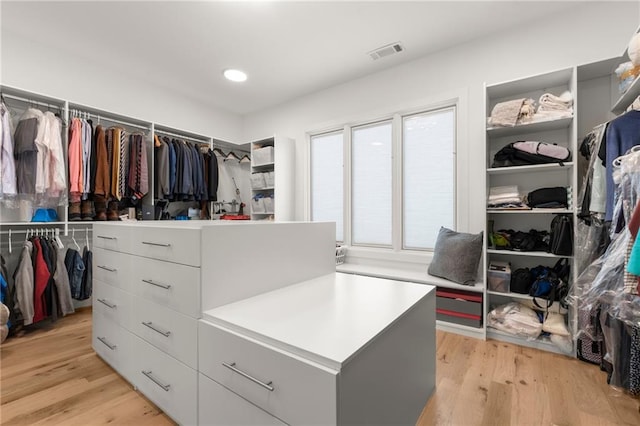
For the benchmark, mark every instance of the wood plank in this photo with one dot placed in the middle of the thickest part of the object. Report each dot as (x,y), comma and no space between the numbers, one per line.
(498,408)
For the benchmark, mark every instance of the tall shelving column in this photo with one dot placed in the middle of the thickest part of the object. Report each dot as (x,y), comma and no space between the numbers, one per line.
(272,171)
(528,178)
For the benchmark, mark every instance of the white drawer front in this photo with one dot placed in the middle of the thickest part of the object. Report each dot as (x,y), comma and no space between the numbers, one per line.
(112,267)
(170,331)
(292,390)
(220,406)
(113,344)
(173,245)
(171,385)
(116,238)
(167,284)
(112,303)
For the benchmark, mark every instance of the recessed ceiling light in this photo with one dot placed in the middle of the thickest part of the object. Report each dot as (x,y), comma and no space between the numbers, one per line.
(235,75)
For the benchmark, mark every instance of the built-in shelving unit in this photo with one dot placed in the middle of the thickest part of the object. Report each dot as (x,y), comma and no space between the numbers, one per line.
(272,168)
(562,131)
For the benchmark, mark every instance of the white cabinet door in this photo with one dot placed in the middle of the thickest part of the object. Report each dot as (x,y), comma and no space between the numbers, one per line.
(221,407)
(112,303)
(169,331)
(168,284)
(292,390)
(170,384)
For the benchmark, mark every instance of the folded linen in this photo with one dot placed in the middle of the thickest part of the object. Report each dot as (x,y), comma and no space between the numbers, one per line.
(505,114)
(551,102)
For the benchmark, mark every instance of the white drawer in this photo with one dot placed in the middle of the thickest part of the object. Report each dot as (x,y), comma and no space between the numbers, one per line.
(170,244)
(167,284)
(112,237)
(113,344)
(112,267)
(169,331)
(220,406)
(112,303)
(295,391)
(171,385)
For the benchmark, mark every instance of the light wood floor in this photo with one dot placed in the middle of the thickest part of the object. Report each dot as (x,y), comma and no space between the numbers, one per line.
(52,376)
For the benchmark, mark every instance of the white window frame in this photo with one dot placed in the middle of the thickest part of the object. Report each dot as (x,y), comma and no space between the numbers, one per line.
(396,255)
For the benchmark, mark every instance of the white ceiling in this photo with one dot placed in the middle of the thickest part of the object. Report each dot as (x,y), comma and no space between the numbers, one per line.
(288,49)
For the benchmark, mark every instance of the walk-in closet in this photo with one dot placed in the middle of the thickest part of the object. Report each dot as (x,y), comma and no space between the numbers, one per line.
(328,213)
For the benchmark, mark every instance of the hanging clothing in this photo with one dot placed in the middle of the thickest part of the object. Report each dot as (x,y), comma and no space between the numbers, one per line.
(23,278)
(161,167)
(8,185)
(87,276)
(26,153)
(56,181)
(172,167)
(75,269)
(138,180)
(213,176)
(41,280)
(87,138)
(102,176)
(621,135)
(63,290)
(75,156)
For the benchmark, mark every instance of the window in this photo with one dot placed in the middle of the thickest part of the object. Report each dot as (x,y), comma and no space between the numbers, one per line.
(327,178)
(428,144)
(396,187)
(371,184)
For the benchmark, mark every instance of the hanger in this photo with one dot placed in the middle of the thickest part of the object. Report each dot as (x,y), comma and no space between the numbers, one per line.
(10,250)
(58,240)
(231,156)
(245,159)
(73,238)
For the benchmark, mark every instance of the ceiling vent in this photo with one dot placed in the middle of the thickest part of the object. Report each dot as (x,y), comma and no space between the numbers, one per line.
(388,50)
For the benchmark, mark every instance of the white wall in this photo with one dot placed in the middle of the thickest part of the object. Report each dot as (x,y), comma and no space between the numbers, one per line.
(584,34)
(52,71)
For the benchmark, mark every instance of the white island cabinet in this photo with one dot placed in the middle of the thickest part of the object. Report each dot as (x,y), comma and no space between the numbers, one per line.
(337,349)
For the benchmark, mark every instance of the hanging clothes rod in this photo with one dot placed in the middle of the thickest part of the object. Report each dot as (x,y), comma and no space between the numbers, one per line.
(175,135)
(32,101)
(111,120)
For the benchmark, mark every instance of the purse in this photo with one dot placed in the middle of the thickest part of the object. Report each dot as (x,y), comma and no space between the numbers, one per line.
(521,281)
(561,235)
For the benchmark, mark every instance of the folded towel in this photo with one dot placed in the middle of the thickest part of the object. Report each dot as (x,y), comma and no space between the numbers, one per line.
(503,190)
(505,114)
(550,102)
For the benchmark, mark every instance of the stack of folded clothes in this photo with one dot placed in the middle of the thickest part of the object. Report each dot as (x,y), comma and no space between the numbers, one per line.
(505,197)
(552,107)
(511,113)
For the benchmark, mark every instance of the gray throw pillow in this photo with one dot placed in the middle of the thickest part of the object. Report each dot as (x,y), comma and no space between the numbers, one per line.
(456,256)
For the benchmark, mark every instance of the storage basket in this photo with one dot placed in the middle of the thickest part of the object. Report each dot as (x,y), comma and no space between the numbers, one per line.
(268,204)
(341,253)
(269,179)
(263,156)
(257,206)
(257,181)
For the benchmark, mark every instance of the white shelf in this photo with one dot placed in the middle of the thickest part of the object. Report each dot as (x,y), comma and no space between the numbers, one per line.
(526,253)
(627,97)
(476,332)
(540,126)
(528,169)
(530,211)
(261,213)
(37,223)
(269,188)
(542,343)
(263,166)
(511,295)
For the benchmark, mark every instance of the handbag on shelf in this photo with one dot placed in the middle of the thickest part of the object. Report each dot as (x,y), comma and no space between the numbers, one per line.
(561,235)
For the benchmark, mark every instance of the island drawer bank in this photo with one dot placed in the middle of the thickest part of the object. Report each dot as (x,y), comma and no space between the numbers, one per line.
(153,282)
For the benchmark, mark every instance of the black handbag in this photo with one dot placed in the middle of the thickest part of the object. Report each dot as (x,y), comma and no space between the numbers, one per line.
(561,235)
(548,197)
(521,280)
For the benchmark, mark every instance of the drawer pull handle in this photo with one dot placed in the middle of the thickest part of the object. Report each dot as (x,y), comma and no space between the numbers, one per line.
(107,304)
(107,238)
(149,374)
(107,344)
(165,286)
(157,330)
(107,268)
(233,368)
(149,243)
